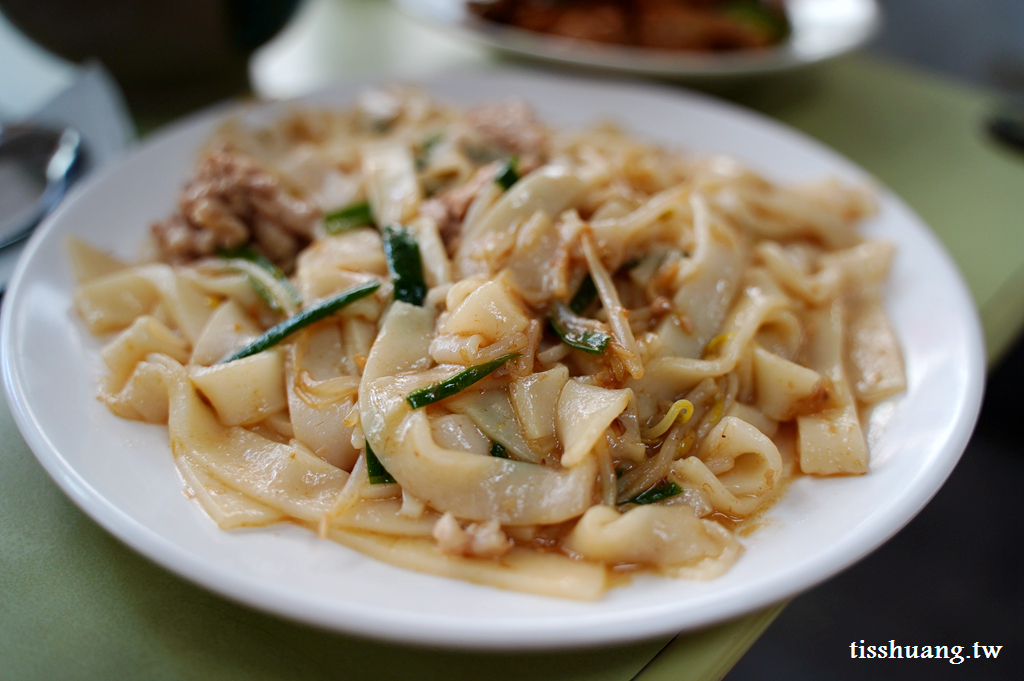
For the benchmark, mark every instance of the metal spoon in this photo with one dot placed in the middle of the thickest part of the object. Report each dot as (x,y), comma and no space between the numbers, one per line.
(37,165)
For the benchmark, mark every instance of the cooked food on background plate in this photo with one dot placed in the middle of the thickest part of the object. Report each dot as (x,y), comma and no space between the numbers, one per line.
(694,25)
(468,344)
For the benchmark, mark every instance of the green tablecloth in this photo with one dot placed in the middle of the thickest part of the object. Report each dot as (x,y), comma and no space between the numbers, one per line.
(75,603)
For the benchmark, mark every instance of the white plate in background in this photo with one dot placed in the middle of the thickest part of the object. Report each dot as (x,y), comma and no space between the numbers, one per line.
(821,29)
(122,474)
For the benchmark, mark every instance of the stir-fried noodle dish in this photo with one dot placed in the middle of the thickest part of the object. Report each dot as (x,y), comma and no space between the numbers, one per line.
(464,343)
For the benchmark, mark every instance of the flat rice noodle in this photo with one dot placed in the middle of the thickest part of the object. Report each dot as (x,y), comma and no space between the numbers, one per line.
(535,399)
(669,538)
(314,363)
(391,183)
(584,412)
(521,569)
(228,330)
(437,268)
(786,390)
(143,396)
(384,517)
(245,391)
(667,378)
(744,459)
(831,442)
(492,412)
(277,475)
(146,335)
(707,282)
(229,508)
(90,263)
(549,189)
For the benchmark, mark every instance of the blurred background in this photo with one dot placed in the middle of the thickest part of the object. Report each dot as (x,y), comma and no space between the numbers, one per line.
(951,577)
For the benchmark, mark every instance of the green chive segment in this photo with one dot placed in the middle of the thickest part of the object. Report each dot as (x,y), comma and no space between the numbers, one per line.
(508,174)
(250,253)
(425,147)
(574,331)
(456,384)
(277,333)
(349,217)
(585,294)
(405,265)
(663,490)
(498,451)
(375,469)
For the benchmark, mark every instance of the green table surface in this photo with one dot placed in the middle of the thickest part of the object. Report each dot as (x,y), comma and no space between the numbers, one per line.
(77,604)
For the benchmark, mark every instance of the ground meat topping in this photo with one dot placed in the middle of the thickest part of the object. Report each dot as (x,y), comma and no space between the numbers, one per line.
(232,201)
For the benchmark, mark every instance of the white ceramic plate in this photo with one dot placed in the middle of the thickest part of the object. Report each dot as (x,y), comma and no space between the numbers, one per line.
(121,472)
(822,29)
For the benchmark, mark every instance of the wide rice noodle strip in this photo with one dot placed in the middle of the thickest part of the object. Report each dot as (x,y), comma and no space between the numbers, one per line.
(669,538)
(391,182)
(281,295)
(229,508)
(537,267)
(143,396)
(617,318)
(549,189)
(357,250)
(224,283)
(831,442)
(145,336)
(318,417)
(745,461)
(791,274)
(468,485)
(471,487)
(90,263)
(451,348)
(245,391)
(706,283)
(827,211)
(680,440)
(584,412)
(280,476)
(618,234)
(876,366)
(669,377)
(457,431)
(535,399)
(384,517)
(786,389)
(113,302)
(228,330)
(492,412)
(437,268)
(521,569)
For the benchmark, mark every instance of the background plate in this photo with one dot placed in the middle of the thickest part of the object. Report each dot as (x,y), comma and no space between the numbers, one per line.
(121,472)
(822,29)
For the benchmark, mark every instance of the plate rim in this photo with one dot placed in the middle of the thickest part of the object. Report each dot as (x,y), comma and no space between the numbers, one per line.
(629,59)
(155,547)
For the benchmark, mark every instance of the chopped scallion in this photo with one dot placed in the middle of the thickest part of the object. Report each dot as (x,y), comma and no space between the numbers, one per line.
(375,469)
(405,265)
(456,384)
(498,451)
(573,332)
(277,333)
(508,174)
(250,253)
(349,217)
(663,490)
(585,294)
